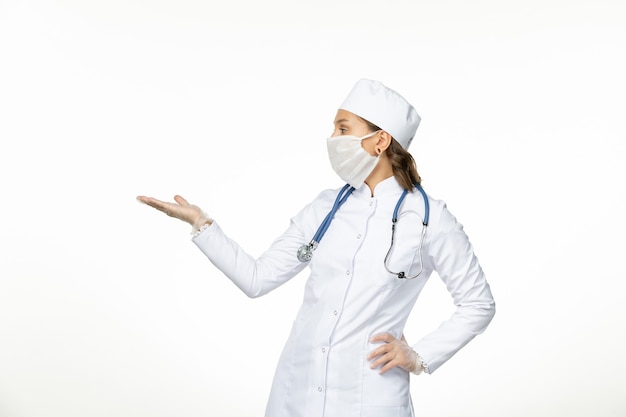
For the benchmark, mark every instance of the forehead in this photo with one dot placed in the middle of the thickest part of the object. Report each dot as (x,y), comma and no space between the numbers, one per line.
(344,116)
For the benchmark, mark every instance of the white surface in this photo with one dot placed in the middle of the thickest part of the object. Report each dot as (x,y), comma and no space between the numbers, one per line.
(107,308)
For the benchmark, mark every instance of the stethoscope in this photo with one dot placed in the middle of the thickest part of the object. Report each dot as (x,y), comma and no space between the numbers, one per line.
(305,252)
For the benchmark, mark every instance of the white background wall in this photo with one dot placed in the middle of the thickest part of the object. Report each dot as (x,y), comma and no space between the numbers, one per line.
(107,308)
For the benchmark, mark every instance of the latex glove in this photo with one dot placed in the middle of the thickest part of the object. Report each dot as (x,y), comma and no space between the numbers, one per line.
(394,353)
(181,210)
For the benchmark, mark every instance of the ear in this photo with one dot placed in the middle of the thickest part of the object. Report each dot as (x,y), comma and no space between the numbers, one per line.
(383,142)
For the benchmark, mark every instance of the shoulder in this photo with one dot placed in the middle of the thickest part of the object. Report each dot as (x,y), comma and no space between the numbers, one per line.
(325,196)
(440,217)
(328,194)
(322,202)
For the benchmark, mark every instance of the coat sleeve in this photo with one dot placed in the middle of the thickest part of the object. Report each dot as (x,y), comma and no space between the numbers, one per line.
(255,276)
(453,258)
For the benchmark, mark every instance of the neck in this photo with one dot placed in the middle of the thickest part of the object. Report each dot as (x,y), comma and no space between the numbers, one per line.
(382,171)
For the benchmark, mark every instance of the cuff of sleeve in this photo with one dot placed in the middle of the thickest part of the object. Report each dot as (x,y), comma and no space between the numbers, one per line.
(196,233)
(421,366)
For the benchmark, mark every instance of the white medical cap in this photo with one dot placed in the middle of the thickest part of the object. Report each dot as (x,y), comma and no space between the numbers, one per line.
(385,108)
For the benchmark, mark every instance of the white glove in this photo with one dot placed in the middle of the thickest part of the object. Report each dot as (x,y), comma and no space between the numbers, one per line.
(394,353)
(181,210)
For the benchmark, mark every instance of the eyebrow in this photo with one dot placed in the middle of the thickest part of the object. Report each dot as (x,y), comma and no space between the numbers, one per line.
(341,121)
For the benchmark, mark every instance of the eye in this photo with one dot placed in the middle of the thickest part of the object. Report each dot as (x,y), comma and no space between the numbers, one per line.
(343,130)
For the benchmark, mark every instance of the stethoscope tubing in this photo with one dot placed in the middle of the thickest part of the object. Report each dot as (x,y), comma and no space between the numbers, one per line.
(394,220)
(343,195)
(305,252)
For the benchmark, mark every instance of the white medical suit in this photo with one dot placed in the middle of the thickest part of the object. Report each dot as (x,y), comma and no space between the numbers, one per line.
(350,297)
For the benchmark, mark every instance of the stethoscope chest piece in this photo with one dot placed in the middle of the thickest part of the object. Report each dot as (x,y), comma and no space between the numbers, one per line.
(305,252)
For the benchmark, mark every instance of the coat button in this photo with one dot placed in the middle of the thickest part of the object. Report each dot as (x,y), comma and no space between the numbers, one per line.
(335,312)
(323,350)
(348,272)
(358,236)
(319,389)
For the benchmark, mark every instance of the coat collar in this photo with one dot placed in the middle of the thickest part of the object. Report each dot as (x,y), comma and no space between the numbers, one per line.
(385,188)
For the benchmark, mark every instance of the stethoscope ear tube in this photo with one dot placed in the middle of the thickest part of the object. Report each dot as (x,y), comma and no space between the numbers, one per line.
(402,274)
(394,220)
(426,206)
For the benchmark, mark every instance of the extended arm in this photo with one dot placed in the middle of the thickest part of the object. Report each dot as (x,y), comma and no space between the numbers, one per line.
(254,276)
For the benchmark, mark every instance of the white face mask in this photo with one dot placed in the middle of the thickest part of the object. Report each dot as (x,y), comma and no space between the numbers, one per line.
(349,160)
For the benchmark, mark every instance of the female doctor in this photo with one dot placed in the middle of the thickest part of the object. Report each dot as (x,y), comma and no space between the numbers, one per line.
(370,247)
